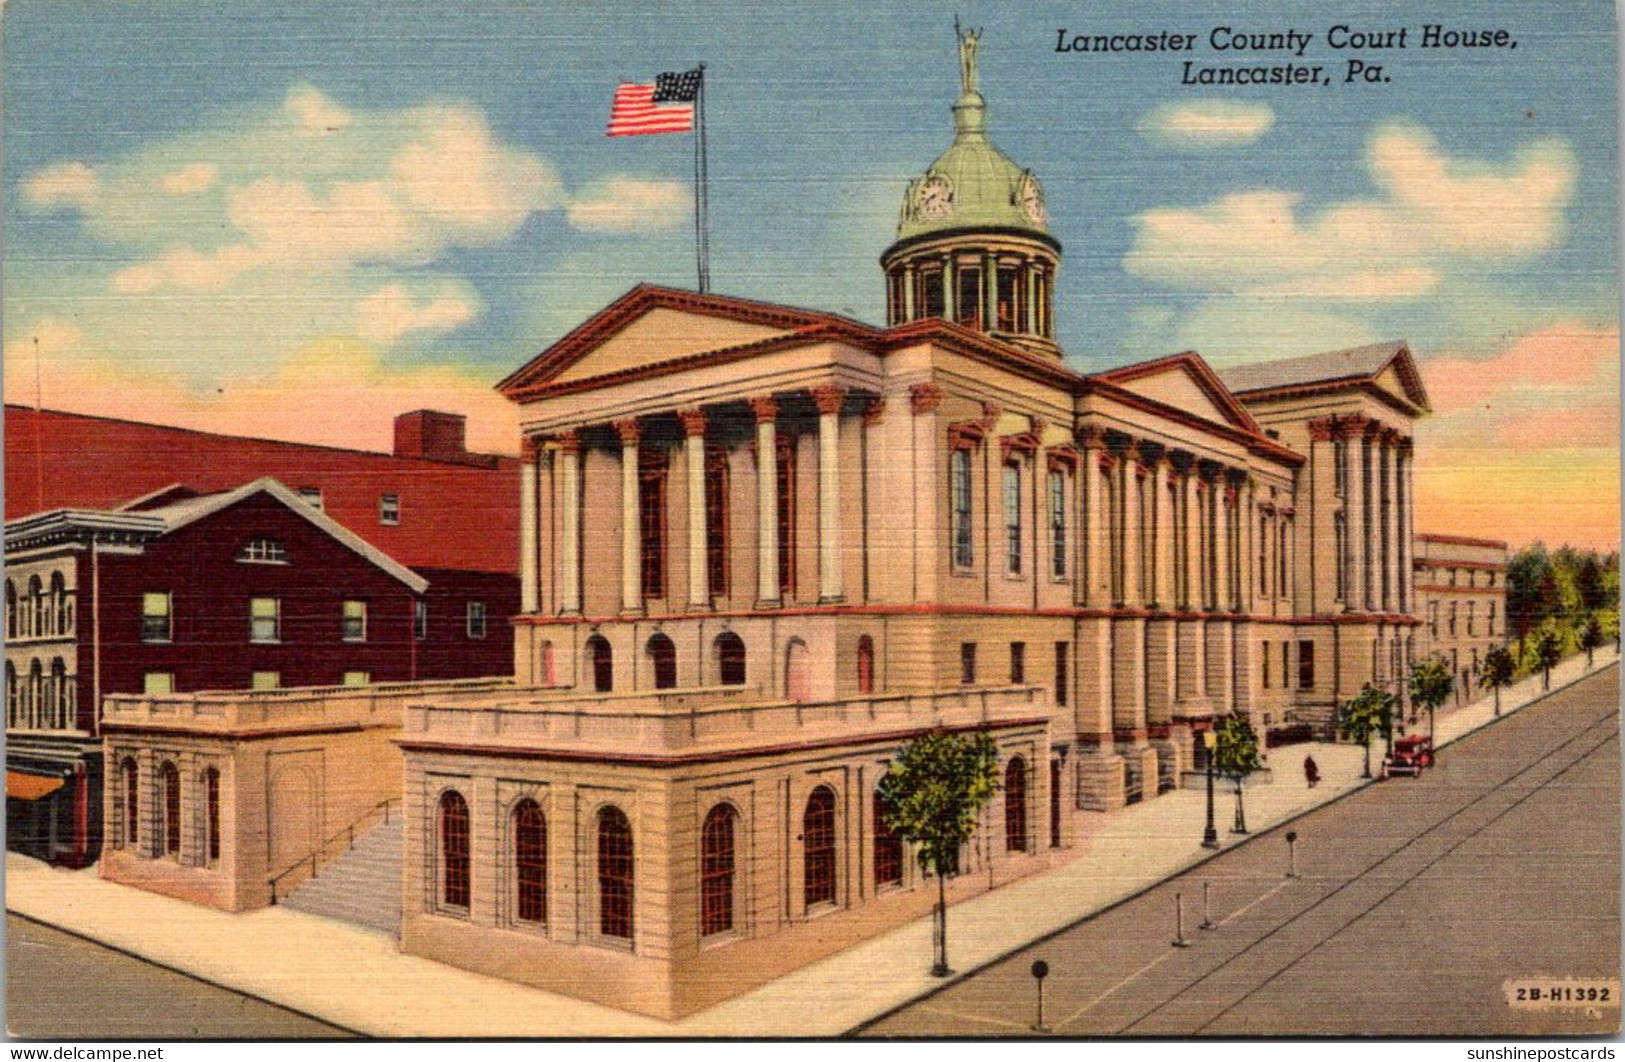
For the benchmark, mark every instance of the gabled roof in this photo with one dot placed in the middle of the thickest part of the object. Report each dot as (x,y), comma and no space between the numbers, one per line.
(1331,370)
(1192,367)
(167,519)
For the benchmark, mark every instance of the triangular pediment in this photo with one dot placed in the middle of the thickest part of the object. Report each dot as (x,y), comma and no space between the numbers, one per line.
(662,335)
(1185,382)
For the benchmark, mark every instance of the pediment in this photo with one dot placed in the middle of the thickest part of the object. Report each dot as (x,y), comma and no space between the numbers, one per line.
(1185,382)
(662,335)
(1178,387)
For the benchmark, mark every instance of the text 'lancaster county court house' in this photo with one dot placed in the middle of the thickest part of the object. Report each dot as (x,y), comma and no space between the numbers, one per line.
(763,547)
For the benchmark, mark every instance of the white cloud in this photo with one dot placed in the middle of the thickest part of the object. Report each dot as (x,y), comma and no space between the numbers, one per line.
(314,112)
(1435,212)
(389,313)
(456,174)
(62,185)
(626,204)
(189,179)
(1207,124)
(184,269)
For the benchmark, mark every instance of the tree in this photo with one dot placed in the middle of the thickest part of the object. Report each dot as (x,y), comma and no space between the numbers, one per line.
(1431,685)
(1591,637)
(934,791)
(1369,714)
(1498,670)
(1235,755)
(1549,650)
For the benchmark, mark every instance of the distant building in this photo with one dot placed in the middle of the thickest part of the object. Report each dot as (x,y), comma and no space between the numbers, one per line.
(1461,596)
(135,556)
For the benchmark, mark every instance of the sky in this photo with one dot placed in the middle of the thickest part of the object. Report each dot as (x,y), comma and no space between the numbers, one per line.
(296,220)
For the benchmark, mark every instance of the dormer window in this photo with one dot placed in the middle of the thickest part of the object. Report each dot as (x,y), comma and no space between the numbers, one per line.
(312,497)
(263,551)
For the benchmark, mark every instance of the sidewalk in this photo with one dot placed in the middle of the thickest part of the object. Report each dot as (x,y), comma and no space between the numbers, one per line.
(327,969)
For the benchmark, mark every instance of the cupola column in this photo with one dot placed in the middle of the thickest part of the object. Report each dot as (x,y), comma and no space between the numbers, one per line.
(990,292)
(950,289)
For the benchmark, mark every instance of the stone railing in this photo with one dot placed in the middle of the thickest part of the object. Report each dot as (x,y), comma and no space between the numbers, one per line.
(706,720)
(225,711)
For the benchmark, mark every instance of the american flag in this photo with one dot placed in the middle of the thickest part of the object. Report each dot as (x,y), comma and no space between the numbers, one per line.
(667,106)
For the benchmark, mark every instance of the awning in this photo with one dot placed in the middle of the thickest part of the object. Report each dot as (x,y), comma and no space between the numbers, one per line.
(21,786)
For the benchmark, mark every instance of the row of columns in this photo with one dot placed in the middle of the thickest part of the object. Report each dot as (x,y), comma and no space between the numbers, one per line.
(912,291)
(1377,511)
(765,409)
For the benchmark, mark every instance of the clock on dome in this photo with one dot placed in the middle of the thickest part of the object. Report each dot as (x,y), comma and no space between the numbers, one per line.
(935,198)
(1032,199)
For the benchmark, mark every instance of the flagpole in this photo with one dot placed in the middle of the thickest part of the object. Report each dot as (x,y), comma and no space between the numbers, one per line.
(702,196)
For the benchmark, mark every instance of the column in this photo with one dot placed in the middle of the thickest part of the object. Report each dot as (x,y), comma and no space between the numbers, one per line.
(950,289)
(1031,325)
(1128,496)
(1353,521)
(1091,517)
(1392,599)
(631,519)
(699,568)
(1157,569)
(990,293)
(1370,577)
(829,401)
(570,519)
(1407,575)
(908,293)
(767,501)
(529,548)
(1190,575)
(1223,495)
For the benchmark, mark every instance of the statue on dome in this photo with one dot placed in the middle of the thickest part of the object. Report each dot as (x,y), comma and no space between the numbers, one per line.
(969,40)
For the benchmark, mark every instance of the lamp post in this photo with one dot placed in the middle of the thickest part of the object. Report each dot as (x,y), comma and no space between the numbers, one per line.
(1210,836)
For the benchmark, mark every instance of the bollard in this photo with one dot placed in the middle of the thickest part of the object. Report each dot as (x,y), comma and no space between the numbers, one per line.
(1292,853)
(1040,971)
(1179,921)
(1207,909)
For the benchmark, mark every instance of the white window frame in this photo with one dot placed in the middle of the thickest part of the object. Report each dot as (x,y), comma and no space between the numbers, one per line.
(265,680)
(275,618)
(475,611)
(263,551)
(345,618)
(168,616)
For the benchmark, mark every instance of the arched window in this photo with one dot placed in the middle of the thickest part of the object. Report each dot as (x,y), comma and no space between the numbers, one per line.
(602,659)
(797,673)
(663,657)
(59,600)
(36,695)
(36,607)
(614,874)
(730,650)
(866,664)
(211,801)
(717,870)
(59,694)
(1015,805)
(550,667)
(131,775)
(170,781)
(888,846)
(13,714)
(11,609)
(530,861)
(453,849)
(818,827)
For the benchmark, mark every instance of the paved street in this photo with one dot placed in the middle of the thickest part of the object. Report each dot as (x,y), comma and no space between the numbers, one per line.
(1416,901)
(114,996)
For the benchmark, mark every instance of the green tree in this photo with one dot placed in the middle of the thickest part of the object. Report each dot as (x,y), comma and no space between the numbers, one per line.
(1591,637)
(1431,685)
(1548,651)
(934,791)
(1369,714)
(1498,670)
(1235,755)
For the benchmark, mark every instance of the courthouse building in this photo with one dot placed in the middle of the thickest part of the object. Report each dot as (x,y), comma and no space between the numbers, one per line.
(762,547)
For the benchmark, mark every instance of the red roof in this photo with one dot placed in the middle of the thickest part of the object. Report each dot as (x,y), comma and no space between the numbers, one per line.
(452,514)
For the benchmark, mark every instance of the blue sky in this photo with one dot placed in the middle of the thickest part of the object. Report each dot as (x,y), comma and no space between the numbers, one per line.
(163,162)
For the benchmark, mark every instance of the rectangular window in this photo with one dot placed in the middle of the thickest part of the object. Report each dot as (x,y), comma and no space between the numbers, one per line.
(652,475)
(959,501)
(931,293)
(1018,663)
(968,300)
(785,473)
(1280,559)
(158,683)
(155,616)
(1306,665)
(1063,680)
(312,497)
(967,663)
(1057,523)
(356,678)
(476,619)
(264,551)
(1340,550)
(1012,517)
(389,509)
(1472,607)
(1009,297)
(1490,619)
(355,621)
(265,619)
(894,299)
(716,520)
(420,619)
(1263,556)
(1265,660)
(1339,468)
(265,680)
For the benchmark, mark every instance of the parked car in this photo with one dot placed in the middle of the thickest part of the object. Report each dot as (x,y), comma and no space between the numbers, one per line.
(1411,754)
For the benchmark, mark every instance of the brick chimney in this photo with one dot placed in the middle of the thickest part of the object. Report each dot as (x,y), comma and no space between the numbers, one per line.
(427,433)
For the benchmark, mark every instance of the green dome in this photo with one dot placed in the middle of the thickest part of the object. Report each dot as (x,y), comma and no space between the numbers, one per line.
(973,185)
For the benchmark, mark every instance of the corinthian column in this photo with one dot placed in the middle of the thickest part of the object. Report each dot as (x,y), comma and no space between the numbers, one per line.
(699,571)
(767,501)
(829,401)
(1353,514)
(529,548)
(631,519)
(570,531)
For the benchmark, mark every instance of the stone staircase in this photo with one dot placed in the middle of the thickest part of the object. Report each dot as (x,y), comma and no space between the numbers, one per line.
(362,886)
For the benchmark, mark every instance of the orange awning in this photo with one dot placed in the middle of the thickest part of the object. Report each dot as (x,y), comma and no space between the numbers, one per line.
(21,786)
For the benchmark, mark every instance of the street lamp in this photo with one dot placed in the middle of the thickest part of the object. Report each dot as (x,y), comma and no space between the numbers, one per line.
(1210,836)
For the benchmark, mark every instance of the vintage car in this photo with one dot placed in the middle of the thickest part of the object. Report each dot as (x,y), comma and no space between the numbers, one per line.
(1411,753)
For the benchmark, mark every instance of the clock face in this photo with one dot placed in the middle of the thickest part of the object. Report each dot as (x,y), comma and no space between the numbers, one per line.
(936,198)
(1032,200)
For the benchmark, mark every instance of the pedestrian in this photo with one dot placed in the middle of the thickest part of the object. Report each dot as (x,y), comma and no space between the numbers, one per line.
(1311,772)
